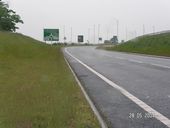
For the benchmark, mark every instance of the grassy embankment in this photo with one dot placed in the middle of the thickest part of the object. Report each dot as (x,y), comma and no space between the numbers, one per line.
(153,45)
(37,89)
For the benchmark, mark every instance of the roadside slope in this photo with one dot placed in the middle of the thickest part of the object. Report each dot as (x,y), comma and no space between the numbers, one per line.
(150,44)
(37,89)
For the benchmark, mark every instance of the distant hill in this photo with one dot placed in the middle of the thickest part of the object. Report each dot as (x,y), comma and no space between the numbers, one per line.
(154,44)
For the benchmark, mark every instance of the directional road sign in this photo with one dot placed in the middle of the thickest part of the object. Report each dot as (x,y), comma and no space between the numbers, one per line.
(51,34)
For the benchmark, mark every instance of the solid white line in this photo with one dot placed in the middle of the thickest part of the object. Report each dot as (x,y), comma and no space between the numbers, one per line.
(140,103)
(99,117)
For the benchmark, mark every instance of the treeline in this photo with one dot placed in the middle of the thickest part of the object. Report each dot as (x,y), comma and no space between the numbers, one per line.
(8,18)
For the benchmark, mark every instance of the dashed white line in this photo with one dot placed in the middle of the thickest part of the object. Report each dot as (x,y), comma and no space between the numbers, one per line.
(108,55)
(140,103)
(136,61)
(159,65)
(141,62)
(121,58)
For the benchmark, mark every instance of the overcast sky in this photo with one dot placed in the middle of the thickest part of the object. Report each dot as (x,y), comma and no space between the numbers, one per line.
(82,15)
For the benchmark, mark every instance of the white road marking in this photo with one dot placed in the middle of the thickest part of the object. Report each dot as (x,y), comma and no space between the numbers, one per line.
(99,117)
(159,65)
(147,97)
(136,61)
(140,103)
(141,62)
(121,58)
(107,55)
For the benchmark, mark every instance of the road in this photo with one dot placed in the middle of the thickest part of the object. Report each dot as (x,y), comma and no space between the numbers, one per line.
(130,91)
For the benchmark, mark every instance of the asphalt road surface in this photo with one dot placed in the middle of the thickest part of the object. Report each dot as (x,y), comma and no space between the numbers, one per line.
(130,91)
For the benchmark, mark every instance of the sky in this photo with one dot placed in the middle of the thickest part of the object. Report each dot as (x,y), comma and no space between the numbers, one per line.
(133,17)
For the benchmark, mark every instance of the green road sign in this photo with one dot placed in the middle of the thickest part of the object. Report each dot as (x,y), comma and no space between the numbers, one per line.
(51,34)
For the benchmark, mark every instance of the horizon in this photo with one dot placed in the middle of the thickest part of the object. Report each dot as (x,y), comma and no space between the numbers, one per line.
(135,18)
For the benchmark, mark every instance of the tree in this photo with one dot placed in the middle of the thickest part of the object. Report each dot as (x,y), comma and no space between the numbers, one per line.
(8,18)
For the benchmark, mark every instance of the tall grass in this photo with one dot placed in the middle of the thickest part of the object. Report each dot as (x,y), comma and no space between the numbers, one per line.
(37,89)
(154,45)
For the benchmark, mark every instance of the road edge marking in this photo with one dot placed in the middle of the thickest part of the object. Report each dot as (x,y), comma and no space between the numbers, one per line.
(93,107)
(139,102)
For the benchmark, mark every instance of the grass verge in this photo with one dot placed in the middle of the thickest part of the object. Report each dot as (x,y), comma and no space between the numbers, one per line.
(153,45)
(37,89)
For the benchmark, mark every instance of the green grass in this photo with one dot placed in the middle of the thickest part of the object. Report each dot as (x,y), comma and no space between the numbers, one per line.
(153,45)
(37,89)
